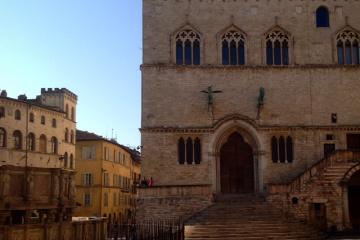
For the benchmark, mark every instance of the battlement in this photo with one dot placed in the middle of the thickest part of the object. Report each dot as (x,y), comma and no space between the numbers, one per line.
(58,90)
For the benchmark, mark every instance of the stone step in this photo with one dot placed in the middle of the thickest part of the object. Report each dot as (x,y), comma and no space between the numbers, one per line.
(245,217)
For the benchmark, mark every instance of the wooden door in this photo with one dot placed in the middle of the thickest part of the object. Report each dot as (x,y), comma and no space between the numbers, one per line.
(353,141)
(236,166)
(354,200)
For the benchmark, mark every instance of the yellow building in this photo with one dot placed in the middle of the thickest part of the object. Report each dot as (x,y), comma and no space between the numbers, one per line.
(107,173)
(37,161)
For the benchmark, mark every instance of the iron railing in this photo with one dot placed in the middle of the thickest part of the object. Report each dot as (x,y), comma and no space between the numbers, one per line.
(170,229)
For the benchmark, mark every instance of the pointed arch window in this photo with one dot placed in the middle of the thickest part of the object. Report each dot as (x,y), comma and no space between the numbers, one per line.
(289,149)
(233,48)
(2,137)
(31,141)
(277,48)
(282,149)
(322,17)
(17,137)
(274,150)
(187,47)
(181,151)
(189,151)
(197,151)
(347,44)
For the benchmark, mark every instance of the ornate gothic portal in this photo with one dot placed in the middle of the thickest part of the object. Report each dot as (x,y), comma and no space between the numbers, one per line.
(354,199)
(236,166)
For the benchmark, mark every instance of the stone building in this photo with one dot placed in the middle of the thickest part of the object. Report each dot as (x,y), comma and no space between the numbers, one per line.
(255,97)
(107,173)
(37,161)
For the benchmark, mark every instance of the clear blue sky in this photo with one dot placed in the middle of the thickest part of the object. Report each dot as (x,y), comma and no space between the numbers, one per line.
(91,47)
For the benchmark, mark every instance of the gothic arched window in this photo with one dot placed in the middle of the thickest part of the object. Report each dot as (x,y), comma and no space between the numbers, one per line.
(322,17)
(282,149)
(282,156)
(54,145)
(197,151)
(233,48)
(31,141)
(17,136)
(277,48)
(181,151)
(17,114)
(347,43)
(43,144)
(274,150)
(187,47)
(289,149)
(2,137)
(189,151)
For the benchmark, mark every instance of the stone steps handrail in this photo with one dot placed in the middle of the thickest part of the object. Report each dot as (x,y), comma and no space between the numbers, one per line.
(314,170)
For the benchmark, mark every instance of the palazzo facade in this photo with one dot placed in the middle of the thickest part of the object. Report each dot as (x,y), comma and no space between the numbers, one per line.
(256,97)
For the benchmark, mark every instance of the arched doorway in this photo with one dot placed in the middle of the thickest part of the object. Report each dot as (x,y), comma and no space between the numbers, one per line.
(236,166)
(354,200)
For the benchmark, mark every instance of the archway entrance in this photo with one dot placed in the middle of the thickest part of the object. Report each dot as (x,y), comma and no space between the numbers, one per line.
(236,166)
(354,200)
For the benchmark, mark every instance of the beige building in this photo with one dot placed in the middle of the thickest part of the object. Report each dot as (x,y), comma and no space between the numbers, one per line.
(107,173)
(37,161)
(251,97)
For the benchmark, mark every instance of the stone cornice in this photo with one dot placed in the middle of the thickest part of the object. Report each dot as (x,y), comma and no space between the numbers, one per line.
(164,66)
(264,128)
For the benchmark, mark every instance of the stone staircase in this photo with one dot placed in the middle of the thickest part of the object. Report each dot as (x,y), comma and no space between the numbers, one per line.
(323,183)
(326,173)
(245,217)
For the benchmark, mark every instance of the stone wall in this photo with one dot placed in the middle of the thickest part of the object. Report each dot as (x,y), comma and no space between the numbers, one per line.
(324,183)
(311,45)
(169,202)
